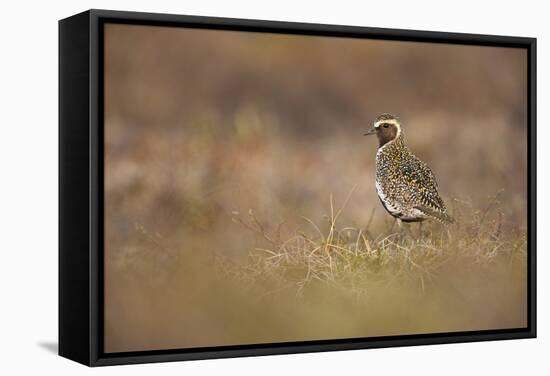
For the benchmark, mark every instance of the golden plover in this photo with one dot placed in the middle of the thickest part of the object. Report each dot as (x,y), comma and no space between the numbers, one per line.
(405,185)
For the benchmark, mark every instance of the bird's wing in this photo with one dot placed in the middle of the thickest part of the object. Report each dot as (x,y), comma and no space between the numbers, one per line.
(425,186)
(441,216)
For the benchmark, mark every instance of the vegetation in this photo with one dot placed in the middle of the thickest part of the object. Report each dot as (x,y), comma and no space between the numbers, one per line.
(191,144)
(359,260)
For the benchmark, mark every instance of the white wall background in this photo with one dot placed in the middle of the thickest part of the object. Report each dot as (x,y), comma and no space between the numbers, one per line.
(28,165)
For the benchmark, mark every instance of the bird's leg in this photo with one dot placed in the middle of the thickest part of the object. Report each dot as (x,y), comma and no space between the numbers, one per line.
(449,236)
(398,228)
(401,229)
(408,230)
(404,230)
(420,230)
(393,224)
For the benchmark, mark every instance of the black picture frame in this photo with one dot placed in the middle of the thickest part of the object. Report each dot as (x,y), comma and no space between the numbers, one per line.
(81,186)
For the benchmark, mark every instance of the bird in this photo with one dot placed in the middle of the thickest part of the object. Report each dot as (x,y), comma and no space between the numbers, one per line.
(405,185)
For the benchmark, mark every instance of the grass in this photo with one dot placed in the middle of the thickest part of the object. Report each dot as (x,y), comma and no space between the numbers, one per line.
(361,259)
(178,273)
(321,280)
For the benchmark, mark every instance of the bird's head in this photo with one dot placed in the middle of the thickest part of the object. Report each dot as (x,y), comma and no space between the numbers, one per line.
(386,127)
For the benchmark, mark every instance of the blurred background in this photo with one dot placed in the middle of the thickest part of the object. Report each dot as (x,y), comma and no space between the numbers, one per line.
(201,125)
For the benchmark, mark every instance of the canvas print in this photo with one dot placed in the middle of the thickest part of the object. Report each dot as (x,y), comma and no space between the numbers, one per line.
(273,188)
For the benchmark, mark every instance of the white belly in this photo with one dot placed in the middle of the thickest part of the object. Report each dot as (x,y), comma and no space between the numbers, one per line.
(389,207)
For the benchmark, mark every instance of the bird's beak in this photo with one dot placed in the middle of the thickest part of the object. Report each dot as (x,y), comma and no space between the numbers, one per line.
(371,131)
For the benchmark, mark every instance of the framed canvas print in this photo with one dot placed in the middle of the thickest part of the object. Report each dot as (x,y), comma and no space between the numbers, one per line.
(235,187)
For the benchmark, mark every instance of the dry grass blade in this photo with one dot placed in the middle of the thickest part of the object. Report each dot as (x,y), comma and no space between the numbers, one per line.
(352,260)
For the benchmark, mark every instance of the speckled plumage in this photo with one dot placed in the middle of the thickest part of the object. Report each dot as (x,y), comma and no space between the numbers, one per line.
(405,185)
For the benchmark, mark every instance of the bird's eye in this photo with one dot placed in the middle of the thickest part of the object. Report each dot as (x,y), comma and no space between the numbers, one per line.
(386,125)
